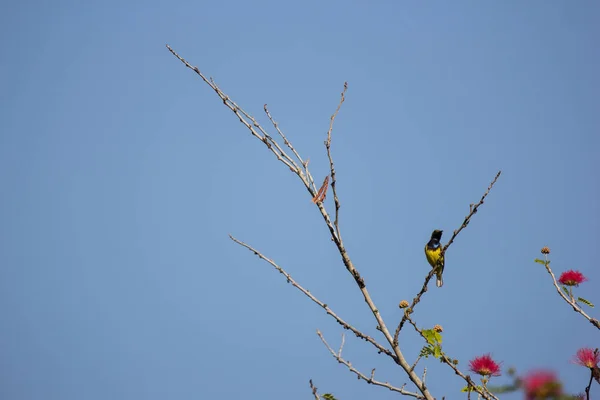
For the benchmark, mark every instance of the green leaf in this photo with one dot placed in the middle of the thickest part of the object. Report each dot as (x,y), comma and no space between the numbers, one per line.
(584,301)
(437,351)
(564,288)
(429,335)
(470,388)
(432,336)
(328,396)
(543,262)
(426,351)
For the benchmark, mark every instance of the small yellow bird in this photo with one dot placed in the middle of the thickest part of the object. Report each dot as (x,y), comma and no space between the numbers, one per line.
(433,252)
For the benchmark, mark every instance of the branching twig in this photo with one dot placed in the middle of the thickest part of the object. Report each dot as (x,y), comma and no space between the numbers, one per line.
(417,299)
(362,376)
(570,301)
(255,128)
(258,132)
(314,390)
(483,393)
(329,311)
(331,165)
(291,147)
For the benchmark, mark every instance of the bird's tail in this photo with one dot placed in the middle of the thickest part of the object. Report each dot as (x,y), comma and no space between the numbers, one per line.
(439,282)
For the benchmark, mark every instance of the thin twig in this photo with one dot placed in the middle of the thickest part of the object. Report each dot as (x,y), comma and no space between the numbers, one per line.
(329,311)
(255,128)
(331,165)
(362,376)
(291,147)
(342,345)
(473,210)
(314,390)
(483,393)
(594,374)
(417,299)
(570,301)
(589,386)
(412,368)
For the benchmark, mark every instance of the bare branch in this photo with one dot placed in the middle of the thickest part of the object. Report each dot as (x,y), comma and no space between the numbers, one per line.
(250,122)
(289,144)
(362,376)
(314,390)
(329,311)
(331,165)
(417,299)
(342,345)
(412,368)
(473,210)
(570,301)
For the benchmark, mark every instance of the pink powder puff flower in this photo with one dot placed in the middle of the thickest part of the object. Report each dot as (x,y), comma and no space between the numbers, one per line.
(484,365)
(571,278)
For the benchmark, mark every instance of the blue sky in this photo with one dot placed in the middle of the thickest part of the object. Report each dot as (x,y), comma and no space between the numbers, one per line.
(123,174)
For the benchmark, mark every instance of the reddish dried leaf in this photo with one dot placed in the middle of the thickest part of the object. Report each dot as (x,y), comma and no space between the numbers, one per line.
(322,191)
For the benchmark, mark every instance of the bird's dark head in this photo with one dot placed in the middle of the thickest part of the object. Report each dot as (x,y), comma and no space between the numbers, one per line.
(437,234)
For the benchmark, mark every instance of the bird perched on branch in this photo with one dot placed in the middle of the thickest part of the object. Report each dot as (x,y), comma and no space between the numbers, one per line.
(433,252)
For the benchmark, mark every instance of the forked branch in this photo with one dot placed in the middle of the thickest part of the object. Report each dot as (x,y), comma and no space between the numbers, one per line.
(254,127)
(472,210)
(308,294)
(331,165)
(291,147)
(369,379)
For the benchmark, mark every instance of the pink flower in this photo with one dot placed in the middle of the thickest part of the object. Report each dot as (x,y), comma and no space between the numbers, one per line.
(484,365)
(572,278)
(587,357)
(541,385)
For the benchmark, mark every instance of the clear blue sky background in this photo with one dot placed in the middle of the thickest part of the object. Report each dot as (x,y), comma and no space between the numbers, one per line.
(122,174)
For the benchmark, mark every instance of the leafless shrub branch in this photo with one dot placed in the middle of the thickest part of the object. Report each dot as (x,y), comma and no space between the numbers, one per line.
(331,165)
(291,147)
(307,293)
(369,379)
